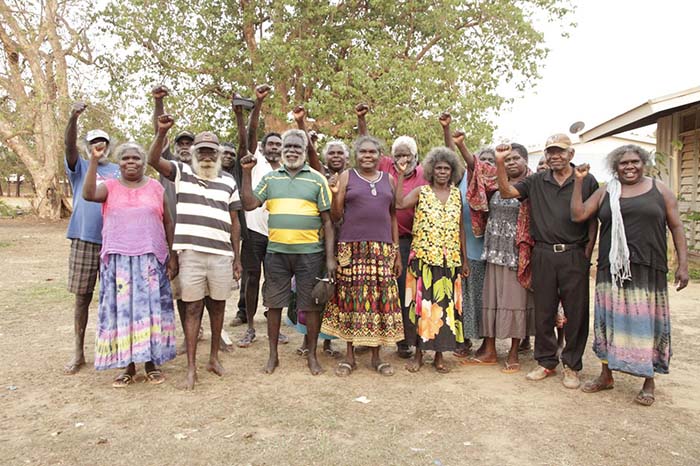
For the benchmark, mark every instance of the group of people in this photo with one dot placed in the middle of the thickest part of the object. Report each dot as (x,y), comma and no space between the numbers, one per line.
(387,250)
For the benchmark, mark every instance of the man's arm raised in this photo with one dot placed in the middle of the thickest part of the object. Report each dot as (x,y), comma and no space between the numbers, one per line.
(261,92)
(164,167)
(311,154)
(71,134)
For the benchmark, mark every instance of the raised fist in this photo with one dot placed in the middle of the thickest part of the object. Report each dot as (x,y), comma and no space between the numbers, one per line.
(582,170)
(299,113)
(97,151)
(165,122)
(445,119)
(159,92)
(78,108)
(502,151)
(458,137)
(248,162)
(262,91)
(361,110)
(313,135)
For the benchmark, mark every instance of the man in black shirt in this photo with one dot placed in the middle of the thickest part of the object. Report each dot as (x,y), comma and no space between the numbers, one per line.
(560,258)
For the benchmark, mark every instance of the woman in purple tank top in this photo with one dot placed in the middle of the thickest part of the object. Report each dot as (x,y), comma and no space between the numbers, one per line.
(365,309)
(135,320)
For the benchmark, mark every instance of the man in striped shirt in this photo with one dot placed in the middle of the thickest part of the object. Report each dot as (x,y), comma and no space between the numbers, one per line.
(300,229)
(207,234)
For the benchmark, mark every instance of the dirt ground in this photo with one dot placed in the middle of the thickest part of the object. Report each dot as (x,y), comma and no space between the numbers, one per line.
(470,416)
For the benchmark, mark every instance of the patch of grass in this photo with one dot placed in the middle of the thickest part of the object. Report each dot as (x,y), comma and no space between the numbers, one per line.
(5,244)
(44,293)
(7,211)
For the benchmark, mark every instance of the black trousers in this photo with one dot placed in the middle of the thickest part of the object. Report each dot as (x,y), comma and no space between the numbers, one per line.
(560,276)
(404,251)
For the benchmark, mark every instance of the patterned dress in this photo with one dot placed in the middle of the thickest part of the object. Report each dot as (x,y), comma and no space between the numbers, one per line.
(632,323)
(365,309)
(135,319)
(433,282)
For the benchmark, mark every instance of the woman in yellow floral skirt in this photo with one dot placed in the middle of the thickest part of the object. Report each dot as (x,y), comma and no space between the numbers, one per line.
(438,256)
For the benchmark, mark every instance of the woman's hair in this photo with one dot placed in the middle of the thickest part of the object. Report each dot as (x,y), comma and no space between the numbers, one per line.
(520,149)
(442,154)
(127,146)
(406,141)
(362,139)
(614,157)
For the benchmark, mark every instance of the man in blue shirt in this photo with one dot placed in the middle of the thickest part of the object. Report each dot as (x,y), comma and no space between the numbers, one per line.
(85,227)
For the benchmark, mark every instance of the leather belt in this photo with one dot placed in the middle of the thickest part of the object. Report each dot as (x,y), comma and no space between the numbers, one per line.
(561,247)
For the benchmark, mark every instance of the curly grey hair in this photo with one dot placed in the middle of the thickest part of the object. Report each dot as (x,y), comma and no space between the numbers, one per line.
(128,146)
(442,154)
(613,158)
(336,143)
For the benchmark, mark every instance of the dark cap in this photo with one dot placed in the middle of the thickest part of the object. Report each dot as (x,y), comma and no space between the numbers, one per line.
(206,139)
(184,134)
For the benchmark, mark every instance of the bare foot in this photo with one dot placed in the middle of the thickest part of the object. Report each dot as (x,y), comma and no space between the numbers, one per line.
(313,364)
(271,365)
(74,365)
(190,379)
(414,364)
(215,366)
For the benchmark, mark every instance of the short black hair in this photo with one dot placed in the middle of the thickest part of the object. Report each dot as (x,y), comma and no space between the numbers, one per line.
(520,149)
(229,145)
(269,135)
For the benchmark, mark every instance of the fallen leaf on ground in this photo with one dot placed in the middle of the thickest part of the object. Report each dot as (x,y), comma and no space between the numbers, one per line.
(362,399)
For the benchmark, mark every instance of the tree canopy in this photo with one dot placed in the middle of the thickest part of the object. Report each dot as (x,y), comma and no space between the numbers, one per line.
(409,60)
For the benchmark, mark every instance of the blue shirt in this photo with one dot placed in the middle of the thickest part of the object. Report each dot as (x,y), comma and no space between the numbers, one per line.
(86,220)
(474,245)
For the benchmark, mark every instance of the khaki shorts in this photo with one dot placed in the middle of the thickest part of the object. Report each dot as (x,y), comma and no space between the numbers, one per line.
(203,274)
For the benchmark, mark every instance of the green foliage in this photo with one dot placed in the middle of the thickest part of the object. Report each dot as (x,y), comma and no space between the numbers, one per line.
(409,60)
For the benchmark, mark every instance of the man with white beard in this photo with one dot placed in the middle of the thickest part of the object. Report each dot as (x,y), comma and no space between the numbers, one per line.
(207,234)
(298,200)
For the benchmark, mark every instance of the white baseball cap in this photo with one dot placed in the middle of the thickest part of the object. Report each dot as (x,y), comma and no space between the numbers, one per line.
(96,134)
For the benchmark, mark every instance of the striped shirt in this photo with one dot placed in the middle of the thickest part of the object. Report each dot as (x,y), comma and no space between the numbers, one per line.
(294,204)
(203,211)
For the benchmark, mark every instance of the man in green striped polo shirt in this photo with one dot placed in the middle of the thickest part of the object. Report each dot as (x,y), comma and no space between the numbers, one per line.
(300,237)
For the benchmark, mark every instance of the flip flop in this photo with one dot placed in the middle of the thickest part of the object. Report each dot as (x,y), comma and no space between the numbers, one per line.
(302,352)
(511,368)
(344,369)
(461,354)
(644,398)
(594,386)
(155,377)
(123,380)
(385,369)
(331,352)
(477,362)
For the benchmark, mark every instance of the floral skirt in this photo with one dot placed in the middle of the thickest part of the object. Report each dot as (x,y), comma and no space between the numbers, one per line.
(632,324)
(135,320)
(365,309)
(434,294)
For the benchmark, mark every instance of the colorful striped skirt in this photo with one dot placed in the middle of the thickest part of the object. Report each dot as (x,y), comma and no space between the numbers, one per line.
(135,320)
(365,309)
(632,322)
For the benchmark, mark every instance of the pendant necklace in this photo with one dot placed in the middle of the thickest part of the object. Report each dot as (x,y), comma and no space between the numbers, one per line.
(372,183)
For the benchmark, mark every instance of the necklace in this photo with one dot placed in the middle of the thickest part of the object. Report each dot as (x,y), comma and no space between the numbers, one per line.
(372,183)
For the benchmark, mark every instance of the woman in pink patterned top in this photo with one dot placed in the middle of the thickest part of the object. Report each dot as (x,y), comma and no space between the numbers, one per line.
(136,322)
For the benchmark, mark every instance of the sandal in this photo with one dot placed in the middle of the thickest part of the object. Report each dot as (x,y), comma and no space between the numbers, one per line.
(248,339)
(282,339)
(331,352)
(644,398)
(477,362)
(461,353)
(344,369)
(595,385)
(155,377)
(511,368)
(123,380)
(303,352)
(385,369)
